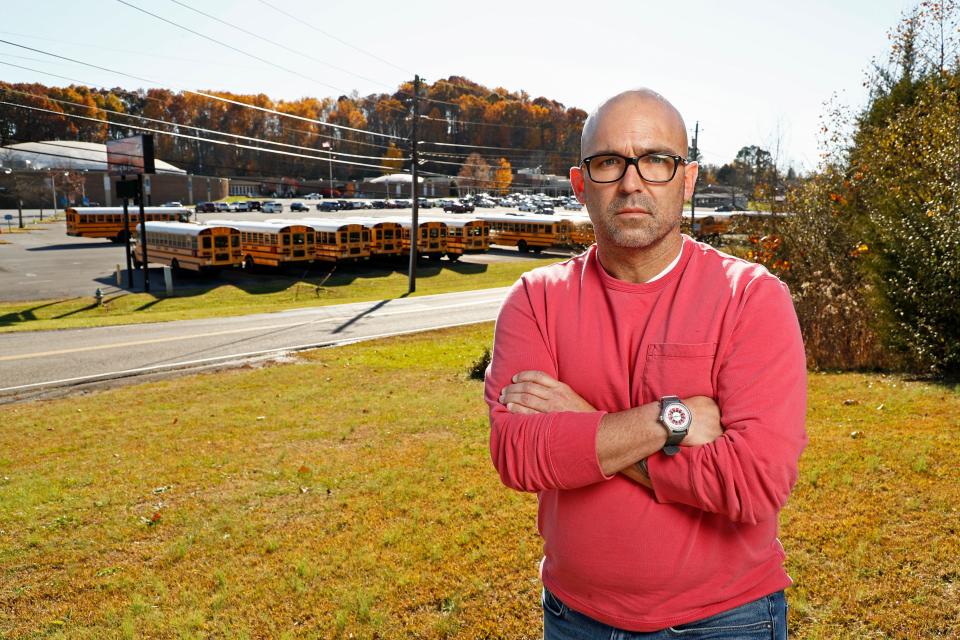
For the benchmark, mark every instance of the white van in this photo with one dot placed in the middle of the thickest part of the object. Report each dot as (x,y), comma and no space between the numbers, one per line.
(272,207)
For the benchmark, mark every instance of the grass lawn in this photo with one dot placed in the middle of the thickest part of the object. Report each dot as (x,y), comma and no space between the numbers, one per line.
(351,494)
(260,294)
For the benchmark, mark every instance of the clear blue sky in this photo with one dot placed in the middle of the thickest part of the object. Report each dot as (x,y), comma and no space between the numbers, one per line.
(744,70)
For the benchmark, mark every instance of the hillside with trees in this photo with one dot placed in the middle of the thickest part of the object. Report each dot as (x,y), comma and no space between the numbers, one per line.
(527,132)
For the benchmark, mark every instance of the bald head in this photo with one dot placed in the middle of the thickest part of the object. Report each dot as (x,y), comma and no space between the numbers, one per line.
(643,101)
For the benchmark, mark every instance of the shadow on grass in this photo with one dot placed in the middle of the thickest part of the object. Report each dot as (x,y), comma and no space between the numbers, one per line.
(316,277)
(27,315)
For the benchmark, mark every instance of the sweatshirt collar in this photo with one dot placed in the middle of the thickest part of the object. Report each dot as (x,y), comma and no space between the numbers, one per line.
(673,271)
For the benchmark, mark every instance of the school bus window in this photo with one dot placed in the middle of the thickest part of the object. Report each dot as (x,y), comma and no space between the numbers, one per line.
(354,236)
(343,236)
(220,242)
(366,235)
(206,242)
(286,238)
(387,234)
(548,228)
(235,241)
(434,232)
(379,234)
(309,238)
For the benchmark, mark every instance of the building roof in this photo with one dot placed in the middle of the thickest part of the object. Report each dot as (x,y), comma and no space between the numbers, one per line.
(65,154)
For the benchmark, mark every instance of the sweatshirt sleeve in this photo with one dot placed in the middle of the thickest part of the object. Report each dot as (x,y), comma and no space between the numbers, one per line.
(748,472)
(541,451)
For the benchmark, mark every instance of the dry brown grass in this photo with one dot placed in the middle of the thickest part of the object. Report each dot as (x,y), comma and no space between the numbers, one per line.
(353,494)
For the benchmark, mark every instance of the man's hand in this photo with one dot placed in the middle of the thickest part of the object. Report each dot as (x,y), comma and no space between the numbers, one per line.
(706,426)
(537,392)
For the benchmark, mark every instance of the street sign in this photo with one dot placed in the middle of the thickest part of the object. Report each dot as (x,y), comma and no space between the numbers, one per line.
(130,156)
(8,216)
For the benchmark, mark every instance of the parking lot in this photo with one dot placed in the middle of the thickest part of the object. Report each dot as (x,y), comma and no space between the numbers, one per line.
(46,263)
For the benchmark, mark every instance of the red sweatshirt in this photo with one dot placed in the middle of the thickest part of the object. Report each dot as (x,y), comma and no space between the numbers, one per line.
(705,539)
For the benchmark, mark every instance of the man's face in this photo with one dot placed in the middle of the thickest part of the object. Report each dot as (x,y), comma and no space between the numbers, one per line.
(633,213)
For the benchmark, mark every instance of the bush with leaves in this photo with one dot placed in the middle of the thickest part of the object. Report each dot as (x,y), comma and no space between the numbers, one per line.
(906,181)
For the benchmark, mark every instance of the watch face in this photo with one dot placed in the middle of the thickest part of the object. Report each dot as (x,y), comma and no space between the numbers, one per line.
(677,417)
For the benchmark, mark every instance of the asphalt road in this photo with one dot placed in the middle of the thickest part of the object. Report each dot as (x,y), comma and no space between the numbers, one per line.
(48,264)
(31,363)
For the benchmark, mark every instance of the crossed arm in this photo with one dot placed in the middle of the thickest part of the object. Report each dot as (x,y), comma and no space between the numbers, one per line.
(624,437)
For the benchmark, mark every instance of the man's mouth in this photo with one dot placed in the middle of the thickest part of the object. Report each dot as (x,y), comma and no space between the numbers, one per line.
(634,210)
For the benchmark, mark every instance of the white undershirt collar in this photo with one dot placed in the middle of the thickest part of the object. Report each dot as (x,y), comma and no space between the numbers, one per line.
(668,269)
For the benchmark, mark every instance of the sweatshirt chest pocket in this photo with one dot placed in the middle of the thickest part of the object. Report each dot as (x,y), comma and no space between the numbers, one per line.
(673,369)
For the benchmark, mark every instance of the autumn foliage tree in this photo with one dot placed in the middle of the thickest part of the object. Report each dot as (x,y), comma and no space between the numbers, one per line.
(475,174)
(503,176)
(392,160)
(874,247)
(530,131)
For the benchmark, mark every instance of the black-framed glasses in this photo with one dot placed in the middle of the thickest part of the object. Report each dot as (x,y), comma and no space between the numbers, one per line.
(652,167)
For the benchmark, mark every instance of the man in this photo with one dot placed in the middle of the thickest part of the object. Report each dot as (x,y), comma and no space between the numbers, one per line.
(652,392)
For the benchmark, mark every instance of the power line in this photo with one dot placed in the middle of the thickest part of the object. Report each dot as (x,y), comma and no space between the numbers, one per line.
(274,43)
(206,95)
(261,178)
(333,37)
(144,96)
(244,52)
(194,128)
(189,137)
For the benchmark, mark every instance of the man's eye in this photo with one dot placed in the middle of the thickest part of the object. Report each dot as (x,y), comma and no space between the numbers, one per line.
(657,159)
(609,161)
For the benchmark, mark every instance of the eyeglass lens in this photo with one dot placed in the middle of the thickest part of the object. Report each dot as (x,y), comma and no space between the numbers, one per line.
(653,167)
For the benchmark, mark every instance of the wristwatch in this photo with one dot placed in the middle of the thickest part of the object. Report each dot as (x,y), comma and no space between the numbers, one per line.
(676,417)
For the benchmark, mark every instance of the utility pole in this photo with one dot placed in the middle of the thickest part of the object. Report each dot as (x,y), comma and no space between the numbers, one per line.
(143,237)
(415,191)
(693,196)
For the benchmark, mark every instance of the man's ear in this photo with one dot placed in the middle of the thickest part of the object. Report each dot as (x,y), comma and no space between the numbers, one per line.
(576,181)
(691,171)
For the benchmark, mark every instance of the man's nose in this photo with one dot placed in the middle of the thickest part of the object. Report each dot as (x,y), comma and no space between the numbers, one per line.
(631,180)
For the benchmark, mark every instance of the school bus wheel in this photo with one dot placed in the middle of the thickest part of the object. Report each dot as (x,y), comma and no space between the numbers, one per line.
(522,246)
(453,257)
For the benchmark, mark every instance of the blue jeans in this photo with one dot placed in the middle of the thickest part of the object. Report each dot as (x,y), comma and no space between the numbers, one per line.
(764,619)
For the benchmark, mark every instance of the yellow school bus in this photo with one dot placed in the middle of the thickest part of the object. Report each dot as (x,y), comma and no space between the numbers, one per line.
(184,245)
(340,240)
(527,231)
(581,229)
(386,237)
(466,235)
(273,244)
(433,237)
(107,222)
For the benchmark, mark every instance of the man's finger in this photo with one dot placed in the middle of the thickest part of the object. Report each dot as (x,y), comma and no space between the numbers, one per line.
(514,407)
(531,388)
(536,376)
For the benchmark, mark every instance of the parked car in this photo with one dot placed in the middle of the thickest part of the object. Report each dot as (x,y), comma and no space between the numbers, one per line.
(205,207)
(328,205)
(272,207)
(458,207)
(423,203)
(546,211)
(172,204)
(241,205)
(312,196)
(527,206)
(573,206)
(377,204)
(221,207)
(255,205)
(298,206)
(725,207)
